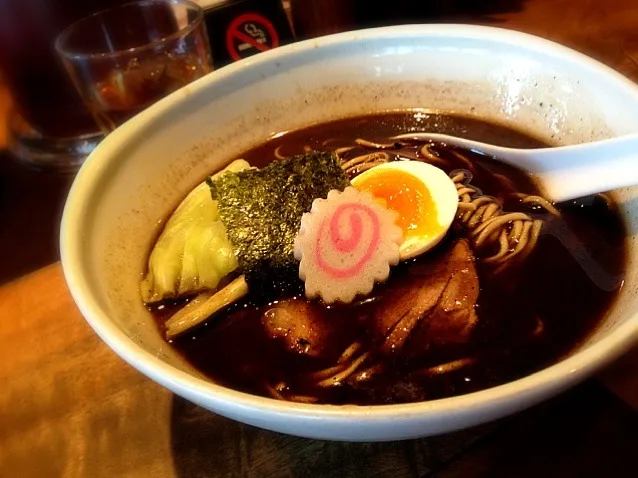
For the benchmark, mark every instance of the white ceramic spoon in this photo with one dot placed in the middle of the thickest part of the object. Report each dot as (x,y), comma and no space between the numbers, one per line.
(565,172)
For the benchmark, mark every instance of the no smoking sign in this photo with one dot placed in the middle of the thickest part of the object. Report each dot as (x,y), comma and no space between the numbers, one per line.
(248,34)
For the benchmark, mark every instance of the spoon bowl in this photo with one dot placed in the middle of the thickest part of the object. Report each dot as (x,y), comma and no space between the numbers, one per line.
(565,172)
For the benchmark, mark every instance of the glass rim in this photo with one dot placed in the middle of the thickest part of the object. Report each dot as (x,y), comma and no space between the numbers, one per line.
(75,55)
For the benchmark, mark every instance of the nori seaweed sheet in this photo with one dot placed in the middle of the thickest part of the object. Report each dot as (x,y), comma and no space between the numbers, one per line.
(262,209)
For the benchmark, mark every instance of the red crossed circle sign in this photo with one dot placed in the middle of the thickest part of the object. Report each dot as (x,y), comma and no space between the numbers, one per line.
(250,33)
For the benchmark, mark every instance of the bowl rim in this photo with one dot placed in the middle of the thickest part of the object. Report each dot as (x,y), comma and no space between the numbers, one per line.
(546,381)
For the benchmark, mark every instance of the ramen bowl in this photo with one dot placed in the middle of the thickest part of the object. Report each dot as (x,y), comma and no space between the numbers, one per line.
(141,171)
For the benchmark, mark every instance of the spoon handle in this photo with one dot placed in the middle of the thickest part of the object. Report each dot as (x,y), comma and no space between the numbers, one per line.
(575,171)
(565,172)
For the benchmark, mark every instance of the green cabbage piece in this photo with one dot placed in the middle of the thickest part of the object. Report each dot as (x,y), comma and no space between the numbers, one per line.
(193,252)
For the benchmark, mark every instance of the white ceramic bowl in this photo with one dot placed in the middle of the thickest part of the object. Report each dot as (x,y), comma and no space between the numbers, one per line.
(144,168)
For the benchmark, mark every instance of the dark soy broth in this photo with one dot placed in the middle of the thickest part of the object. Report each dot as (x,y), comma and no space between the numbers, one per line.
(528,317)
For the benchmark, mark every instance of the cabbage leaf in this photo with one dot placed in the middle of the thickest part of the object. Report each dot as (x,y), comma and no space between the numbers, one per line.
(193,252)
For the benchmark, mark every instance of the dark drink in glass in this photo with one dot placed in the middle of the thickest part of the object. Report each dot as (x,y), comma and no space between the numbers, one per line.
(124,59)
(125,92)
(43,95)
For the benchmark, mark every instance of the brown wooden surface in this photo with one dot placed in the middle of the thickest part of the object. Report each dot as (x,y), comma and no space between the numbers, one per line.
(69,407)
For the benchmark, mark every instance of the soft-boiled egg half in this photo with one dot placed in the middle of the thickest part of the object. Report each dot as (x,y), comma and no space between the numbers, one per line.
(423,195)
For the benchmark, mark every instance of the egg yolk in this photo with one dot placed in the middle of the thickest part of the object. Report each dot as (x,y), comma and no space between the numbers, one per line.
(407,195)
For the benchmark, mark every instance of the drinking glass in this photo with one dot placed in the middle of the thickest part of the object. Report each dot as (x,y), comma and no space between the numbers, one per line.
(49,126)
(124,59)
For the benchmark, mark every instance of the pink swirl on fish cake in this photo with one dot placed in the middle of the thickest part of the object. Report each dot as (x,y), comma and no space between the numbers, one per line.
(345,244)
(350,244)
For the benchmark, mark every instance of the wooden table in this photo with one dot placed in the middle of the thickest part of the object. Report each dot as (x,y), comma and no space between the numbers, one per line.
(69,407)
